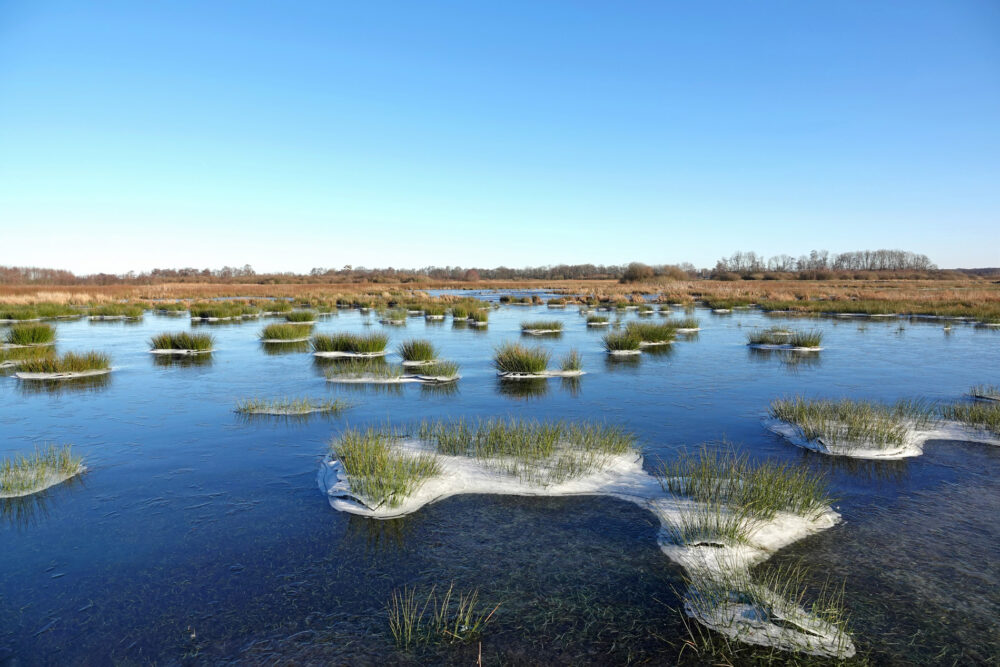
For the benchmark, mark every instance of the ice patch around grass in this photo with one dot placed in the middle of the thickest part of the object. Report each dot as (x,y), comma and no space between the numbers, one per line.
(913,444)
(350,355)
(710,565)
(181,353)
(61,376)
(46,482)
(542,375)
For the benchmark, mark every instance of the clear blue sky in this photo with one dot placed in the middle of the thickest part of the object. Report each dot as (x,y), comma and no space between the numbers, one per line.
(290,135)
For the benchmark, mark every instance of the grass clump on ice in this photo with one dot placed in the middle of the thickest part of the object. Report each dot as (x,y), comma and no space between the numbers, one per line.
(289,406)
(986,391)
(572,361)
(776,336)
(541,325)
(19,313)
(68,363)
(535,452)
(435,310)
(417,350)
(223,310)
(847,423)
(776,592)
(348,342)
(762,489)
(24,474)
(687,323)
(452,618)
(647,332)
(170,306)
(622,341)
(364,368)
(481,316)
(285,331)
(30,334)
(517,358)
(126,310)
(301,316)
(460,312)
(16,355)
(979,414)
(597,319)
(440,369)
(182,341)
(376,471)
(274,305)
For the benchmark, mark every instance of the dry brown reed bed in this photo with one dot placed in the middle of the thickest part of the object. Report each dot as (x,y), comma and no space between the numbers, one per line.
(971,293)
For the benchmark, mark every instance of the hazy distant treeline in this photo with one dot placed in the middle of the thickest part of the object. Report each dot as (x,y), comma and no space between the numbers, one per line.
(818,264)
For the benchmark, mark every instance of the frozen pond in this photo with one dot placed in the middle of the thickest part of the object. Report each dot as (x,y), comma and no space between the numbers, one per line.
(200,536)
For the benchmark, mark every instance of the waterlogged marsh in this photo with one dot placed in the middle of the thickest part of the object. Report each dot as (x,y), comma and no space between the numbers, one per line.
(199,533)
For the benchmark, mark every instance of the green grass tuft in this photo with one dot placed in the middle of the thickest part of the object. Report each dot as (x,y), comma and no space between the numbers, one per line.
(300,316)
(541,325)
(30,334)
(572,361)
(847,423)
(68,363)
(777,336)
(620,341)
(376,472)
(979,414)
(181,341)
(24,474)
(648,332)
(532,451)
(285,331)
(348,342)
(130,311)
(429,619)
(417,350)
(517,358)
(289,406)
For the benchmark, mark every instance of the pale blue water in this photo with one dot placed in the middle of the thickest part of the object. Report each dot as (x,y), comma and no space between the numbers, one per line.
(199,537)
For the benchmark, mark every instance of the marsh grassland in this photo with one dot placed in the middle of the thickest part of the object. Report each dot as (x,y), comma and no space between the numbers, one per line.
(379,511)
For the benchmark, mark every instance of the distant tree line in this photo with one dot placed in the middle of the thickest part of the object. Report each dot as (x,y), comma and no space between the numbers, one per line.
(820,260)
(818,264)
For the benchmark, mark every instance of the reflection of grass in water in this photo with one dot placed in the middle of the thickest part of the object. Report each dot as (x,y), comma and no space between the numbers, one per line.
(791,360)
(65,386)
(534,388)
(22,473)
(848,422)
(448,618)
(777,593)
(185,361)
(979,414)
(275,349)
(30,334)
